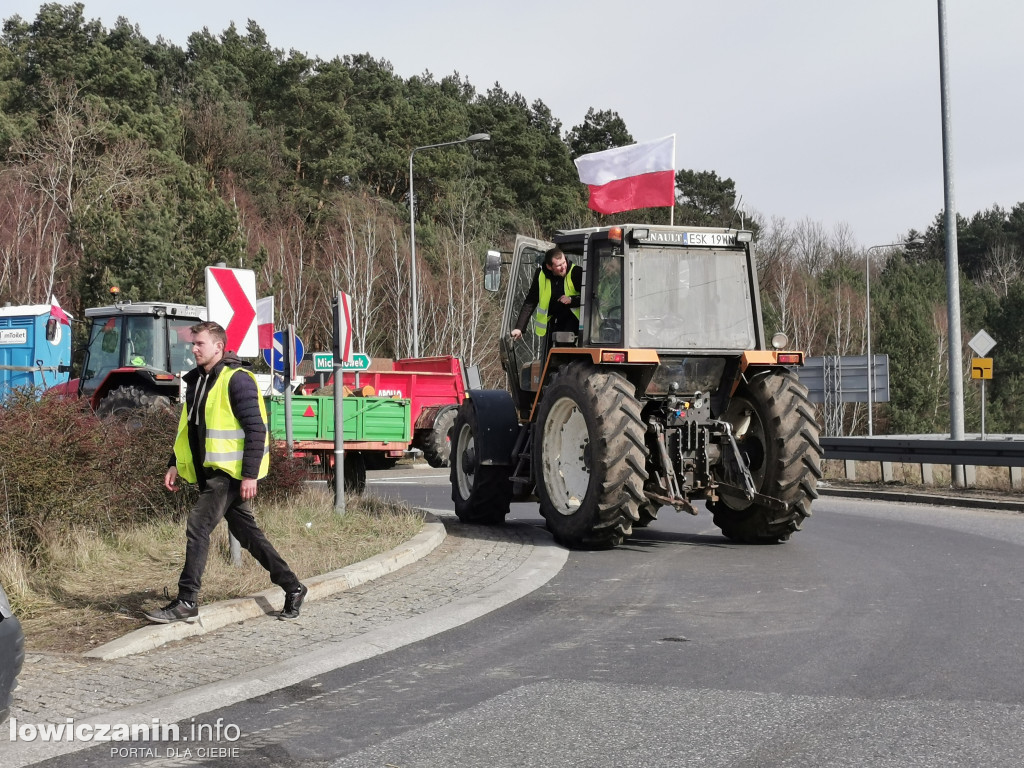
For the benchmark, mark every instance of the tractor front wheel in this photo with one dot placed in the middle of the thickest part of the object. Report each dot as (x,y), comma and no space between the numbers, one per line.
(481,492)
(129,400)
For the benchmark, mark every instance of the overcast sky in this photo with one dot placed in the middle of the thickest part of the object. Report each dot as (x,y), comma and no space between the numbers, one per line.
(817,109)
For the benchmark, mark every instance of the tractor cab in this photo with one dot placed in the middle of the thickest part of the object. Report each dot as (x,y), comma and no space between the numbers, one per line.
(678,304)
(135,353)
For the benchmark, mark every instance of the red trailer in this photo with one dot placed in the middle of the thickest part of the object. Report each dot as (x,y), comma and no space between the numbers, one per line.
(435,387)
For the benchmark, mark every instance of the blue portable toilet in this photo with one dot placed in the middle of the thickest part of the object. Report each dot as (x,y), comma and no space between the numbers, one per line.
(33,348)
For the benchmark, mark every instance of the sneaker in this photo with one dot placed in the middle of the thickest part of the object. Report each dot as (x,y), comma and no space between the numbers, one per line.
(176,610)
(293,602)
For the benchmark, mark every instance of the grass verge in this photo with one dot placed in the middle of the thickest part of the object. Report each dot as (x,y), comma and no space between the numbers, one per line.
(89,588)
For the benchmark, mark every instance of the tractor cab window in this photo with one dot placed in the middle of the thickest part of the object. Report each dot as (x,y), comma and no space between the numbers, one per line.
(691,299)
(179,340)
(104,351)
(606,307)
(139,341)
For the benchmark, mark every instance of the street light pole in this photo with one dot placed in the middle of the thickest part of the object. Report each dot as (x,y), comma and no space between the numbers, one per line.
(956,384)
(871,362)
(412,235)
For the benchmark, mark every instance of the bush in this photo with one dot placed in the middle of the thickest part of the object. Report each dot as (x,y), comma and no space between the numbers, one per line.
(63,469)
(287,475)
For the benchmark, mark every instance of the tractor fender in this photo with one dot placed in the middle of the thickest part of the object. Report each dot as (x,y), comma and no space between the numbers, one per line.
(497,424)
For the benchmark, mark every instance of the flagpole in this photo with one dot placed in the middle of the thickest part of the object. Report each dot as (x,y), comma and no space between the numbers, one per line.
(672,213)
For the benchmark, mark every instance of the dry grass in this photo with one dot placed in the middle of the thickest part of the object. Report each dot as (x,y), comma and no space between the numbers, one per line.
(94,587)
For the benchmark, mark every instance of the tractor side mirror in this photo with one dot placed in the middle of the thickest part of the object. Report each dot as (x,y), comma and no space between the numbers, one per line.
(492,271)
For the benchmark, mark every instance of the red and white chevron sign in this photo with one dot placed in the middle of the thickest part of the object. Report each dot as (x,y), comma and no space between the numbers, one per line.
(231,301)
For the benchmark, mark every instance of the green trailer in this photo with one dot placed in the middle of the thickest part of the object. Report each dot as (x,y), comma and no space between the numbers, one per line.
(371,425)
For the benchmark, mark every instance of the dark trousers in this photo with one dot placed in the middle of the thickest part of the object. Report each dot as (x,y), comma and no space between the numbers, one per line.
(220,499)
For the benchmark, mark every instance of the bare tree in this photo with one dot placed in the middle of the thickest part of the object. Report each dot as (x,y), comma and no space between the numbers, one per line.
(843,245)
(354,248)
(773,251)
(1003,267)
(811,248)
(73,167)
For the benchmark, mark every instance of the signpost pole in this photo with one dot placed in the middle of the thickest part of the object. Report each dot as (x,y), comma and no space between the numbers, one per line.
(339,405)
(981,368)
(286,371)
(982,409)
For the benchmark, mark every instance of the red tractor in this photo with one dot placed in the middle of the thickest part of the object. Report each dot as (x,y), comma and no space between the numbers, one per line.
(134,356)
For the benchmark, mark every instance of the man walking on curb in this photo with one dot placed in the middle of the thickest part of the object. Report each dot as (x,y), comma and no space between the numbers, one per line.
(222,445)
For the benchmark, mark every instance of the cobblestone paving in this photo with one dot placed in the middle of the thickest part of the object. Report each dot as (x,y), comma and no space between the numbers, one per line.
(471,558)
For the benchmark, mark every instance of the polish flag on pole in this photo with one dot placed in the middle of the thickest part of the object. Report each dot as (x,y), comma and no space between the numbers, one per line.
(627,178)
(56,311)
(265,322)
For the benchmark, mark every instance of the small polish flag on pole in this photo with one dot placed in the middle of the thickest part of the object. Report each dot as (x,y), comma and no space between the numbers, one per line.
(265,322)
(56,311)
(627,178)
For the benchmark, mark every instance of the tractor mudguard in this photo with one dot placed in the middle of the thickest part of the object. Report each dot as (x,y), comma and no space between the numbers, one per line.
(497,423)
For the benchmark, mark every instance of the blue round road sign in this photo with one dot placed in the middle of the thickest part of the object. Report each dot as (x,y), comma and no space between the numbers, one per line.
(275,356)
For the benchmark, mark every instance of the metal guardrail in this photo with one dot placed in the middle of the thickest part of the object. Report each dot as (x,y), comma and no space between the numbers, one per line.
(994,451)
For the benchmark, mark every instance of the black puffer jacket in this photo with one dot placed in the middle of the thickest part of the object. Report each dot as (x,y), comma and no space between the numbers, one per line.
(243,395)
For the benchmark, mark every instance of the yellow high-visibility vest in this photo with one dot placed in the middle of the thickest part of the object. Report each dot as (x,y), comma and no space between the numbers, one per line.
(225,438)
(540,317)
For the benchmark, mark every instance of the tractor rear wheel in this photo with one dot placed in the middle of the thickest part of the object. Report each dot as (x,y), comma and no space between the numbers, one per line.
(481,492)
(128,400)
(775,429)
(437,446)
(648,513)
(589,456)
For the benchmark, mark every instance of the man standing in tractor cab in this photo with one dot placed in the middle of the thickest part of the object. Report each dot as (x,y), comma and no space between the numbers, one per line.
(223,446)
(555,295)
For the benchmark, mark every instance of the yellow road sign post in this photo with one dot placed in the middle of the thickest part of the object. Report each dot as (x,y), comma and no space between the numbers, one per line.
(981,368)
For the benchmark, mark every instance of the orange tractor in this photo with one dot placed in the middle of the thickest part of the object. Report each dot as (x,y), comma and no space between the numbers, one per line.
(667,393)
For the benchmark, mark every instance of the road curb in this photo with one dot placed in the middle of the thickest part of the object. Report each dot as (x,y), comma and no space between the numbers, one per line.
(914,497)
(217,615)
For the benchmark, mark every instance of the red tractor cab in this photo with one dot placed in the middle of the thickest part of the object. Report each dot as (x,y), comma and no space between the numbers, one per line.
(135,355)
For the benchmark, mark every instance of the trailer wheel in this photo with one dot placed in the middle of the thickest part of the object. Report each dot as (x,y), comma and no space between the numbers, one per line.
(775,429)
(128,400)
(481,493)
(354,471)
(437,444)
(590,458)
(378,460)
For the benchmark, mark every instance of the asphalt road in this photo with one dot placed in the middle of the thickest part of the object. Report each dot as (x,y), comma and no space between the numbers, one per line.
(881,635)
